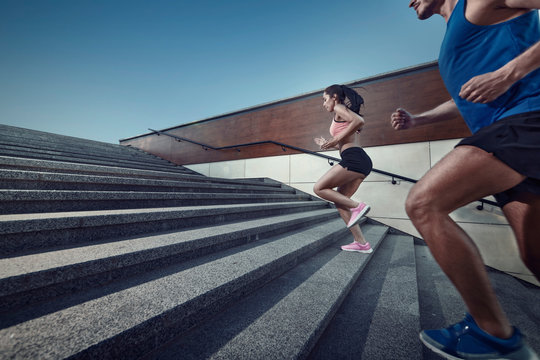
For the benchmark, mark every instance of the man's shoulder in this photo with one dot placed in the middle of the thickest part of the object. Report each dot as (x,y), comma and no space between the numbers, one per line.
(488,4)
(488,12)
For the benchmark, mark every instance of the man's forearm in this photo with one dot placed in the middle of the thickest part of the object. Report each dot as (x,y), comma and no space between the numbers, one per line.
(444,111)
(522,65)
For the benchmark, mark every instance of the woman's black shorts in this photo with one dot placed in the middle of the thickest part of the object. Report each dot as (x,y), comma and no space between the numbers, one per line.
(514,140)
(356,159)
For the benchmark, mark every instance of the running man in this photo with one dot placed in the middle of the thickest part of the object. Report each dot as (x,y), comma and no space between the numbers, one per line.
(489,61)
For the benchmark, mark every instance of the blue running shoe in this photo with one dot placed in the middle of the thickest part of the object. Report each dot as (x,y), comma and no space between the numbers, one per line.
(465,340)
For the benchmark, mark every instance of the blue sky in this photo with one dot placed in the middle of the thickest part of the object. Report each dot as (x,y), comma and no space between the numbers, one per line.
(110,69)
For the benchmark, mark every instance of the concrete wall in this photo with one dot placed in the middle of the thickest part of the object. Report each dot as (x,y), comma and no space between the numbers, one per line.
(488,227)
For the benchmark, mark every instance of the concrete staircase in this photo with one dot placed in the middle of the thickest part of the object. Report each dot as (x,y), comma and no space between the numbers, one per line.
(112,253)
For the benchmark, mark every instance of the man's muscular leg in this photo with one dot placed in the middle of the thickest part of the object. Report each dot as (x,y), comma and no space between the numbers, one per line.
(466,174)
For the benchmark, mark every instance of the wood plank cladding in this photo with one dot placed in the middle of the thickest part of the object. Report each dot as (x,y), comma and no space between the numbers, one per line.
(297,121)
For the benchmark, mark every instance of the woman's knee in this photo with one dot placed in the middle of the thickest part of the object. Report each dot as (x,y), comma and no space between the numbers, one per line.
(317,189)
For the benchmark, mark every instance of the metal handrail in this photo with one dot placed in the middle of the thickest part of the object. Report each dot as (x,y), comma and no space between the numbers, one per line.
(284,147)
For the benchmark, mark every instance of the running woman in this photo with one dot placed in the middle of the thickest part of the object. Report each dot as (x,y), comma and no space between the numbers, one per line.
(355,165)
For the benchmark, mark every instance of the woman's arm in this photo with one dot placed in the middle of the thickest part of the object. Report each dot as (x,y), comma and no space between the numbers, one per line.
(355,122)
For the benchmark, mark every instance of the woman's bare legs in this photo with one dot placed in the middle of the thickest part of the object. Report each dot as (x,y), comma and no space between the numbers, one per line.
(466,174)
(335,177)
(348,190)
(346,182)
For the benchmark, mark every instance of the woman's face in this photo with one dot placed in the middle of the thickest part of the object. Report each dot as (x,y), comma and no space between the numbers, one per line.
(329,102)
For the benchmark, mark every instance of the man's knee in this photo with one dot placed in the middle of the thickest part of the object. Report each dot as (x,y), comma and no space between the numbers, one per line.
(417,204)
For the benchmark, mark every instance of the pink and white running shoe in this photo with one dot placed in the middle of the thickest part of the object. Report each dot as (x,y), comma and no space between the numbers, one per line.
(357,213)
(356,246)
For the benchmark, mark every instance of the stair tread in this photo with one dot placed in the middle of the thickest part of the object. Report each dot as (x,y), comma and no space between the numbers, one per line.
(168,172)
(47,195)
(171,171)
(178,181)
(36,222)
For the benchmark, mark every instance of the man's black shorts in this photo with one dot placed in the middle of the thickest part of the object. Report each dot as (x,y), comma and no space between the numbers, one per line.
(514,140)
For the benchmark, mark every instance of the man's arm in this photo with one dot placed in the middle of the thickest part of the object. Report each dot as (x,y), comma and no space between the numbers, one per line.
(487,87)
(522,4)
(402,119)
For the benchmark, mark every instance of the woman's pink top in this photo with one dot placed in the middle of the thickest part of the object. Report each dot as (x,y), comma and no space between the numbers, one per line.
(337,127)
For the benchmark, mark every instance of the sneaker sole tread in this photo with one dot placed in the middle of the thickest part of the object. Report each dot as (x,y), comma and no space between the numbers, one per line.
(362,213)
(524,353)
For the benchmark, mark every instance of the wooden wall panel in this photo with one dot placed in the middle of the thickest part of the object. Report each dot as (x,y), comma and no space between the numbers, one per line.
(298,120)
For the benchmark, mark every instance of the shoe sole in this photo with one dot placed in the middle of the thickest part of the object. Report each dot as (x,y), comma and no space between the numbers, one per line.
(524,353)
(435,349)
(364,211)
(360,251)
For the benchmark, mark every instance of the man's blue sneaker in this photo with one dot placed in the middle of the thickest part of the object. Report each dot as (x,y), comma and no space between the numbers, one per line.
(465,340)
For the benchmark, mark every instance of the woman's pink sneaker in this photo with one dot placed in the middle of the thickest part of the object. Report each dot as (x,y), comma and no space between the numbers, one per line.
(357,213)
(356,246)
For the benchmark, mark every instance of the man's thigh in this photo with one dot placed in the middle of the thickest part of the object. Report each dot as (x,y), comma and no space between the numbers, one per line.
(466,174)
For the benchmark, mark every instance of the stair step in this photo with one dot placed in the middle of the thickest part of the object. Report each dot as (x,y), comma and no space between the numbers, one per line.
(79,155)
(133,319)
(22,138)
(395,324)
(39,201)
(32,232)
(96,162)
(285,318)
(84,149)
(34,278)
(380,317)
(30,180)
(171,172)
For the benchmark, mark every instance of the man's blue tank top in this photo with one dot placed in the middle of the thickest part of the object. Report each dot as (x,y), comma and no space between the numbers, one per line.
(469,50)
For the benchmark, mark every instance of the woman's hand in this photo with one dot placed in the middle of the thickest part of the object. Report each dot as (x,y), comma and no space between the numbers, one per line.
(320,141)
(330,144)
(325,144)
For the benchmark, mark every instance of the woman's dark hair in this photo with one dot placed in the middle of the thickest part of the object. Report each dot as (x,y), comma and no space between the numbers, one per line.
(346,96)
